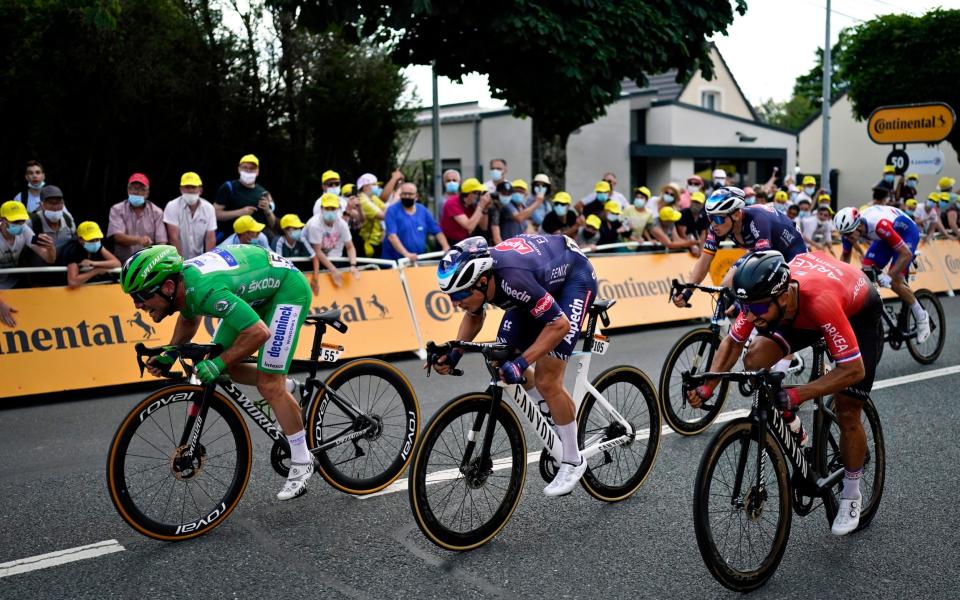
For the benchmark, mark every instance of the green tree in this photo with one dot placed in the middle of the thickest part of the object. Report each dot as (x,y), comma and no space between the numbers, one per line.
(791,114)
(559,62)
(877,48)
(809,86)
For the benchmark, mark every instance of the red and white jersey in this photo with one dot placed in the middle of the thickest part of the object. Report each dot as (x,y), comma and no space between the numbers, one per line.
(831,291)
(881,222)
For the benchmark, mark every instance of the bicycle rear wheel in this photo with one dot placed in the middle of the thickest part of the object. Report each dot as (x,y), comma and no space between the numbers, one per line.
(169,499)
(390,412)
(930,349)
(693,352)
(616,473)
(463,507)
(742,532)
(827,447)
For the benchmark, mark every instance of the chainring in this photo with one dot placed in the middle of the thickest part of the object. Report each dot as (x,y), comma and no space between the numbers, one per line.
(548,466)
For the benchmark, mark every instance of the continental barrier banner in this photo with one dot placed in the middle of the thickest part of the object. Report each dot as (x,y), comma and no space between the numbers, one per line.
(437,318)
(947,253)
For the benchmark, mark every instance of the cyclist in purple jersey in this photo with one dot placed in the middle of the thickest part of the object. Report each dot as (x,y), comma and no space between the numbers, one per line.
(546,285)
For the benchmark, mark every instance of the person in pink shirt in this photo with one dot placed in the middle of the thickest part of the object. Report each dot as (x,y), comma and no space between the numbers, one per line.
(694,184)
(462,214)
(136,223)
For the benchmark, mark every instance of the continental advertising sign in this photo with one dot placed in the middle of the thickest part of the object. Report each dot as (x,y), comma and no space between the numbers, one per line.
(948,254)
(911,123)
(437,318)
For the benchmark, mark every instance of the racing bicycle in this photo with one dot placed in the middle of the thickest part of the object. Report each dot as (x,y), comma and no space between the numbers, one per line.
(900,328)
(469,468)
(694,353)
(180,460)
(755,474)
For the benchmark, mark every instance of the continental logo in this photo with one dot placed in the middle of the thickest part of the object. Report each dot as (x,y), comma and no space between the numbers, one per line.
(82,335)
(356,310)
(633,288)
(439,306)
(952,263)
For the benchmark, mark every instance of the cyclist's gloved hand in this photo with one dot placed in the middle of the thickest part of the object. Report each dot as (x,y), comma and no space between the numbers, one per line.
(884,280)
(452,358)
(512,371)
(787,399)
(208,370)
(698,396)
(163,362)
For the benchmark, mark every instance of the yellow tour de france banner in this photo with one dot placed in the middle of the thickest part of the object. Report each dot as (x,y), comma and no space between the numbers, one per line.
(437,318)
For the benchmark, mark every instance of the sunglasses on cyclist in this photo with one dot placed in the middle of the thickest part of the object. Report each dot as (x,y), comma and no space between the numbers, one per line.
(756,308)
(718,219)
(461,295)
(143,296)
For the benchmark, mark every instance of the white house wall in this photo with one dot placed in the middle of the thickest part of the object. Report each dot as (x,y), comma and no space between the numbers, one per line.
(731,102)
(601,146)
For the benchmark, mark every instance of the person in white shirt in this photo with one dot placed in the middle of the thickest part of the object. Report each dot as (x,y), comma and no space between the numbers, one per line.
(191,221)
(817,229)
(329,235)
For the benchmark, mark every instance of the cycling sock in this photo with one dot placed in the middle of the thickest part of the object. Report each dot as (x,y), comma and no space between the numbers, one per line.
(568,437)
(298,447)
(851,483)
(292,387)
(917,310)
(782,366)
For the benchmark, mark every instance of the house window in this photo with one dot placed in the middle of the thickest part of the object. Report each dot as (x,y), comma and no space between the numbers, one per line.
(710,100)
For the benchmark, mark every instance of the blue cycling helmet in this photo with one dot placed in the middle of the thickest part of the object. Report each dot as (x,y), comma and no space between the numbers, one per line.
(725,201)
(463,264)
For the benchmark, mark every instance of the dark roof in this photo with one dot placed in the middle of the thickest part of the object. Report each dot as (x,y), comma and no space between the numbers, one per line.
(663,85)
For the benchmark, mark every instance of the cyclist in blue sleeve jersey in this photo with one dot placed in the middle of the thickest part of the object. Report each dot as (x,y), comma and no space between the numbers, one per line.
(546,285)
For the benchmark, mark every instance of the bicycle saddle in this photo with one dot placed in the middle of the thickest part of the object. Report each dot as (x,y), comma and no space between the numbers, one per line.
(328,317)
(599,305)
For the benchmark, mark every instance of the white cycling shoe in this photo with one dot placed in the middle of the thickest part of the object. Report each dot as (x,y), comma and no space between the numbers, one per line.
(296,484)
(567,478)
(923,328)
(848,515)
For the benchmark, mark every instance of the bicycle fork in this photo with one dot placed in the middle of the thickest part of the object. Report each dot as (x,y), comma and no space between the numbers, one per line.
(188,453)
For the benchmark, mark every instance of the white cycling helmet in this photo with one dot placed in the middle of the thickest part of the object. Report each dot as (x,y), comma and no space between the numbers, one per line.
(463,264)
(846,220)
(725,201)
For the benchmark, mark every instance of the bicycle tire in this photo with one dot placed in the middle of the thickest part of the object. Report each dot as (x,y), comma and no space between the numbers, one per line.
(678,415)
(644,416)
(367,383)
(427,509)
(154,413)
(938,328)
(827,447)
(741,431)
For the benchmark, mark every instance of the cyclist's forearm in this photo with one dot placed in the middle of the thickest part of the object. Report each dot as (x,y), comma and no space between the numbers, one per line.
(701,267)
(246,344)
(727,354)
(839,378)
(184,330)
(470,326)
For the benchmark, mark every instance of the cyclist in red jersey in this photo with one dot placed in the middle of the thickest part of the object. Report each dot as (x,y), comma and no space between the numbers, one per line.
(793,305)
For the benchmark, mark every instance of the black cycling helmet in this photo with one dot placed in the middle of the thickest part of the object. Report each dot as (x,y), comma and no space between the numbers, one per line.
(762,275)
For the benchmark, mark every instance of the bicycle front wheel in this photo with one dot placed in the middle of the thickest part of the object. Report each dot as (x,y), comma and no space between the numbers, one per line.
(930,349)
(693,353)
(390,415)
(159,491)
(616,473)
(462,506)
(742,530)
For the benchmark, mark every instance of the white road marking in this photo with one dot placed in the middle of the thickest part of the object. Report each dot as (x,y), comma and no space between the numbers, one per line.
(60,557)
(895,381)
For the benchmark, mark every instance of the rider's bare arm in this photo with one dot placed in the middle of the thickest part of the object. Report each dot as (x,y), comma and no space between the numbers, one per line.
(248,341)
(842,376)
(727,354)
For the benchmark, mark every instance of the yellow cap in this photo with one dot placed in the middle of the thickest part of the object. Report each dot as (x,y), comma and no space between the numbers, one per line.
(190,178)
(602,186)
(593,221)
(291,221)
(329,200)
(347,189)
(913,176)
(698,197)
(823,197)
(888,169)
(88,230)
(612,207)
(472,185)
(642,190)
(944,196)
(247,223)
(519,184)
(946,182)
(669,214)
(911,203)
(809,180)
(780,196)
(562,198)
(327,175)
(250,158)
(12,210)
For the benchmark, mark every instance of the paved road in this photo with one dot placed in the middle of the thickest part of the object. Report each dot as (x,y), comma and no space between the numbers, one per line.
(330,545)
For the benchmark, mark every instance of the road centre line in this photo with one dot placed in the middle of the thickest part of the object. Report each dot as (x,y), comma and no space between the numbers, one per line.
(60,557)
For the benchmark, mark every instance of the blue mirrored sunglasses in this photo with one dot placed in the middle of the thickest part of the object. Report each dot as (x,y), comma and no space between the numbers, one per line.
(718,219)
(461,295)
(756,309)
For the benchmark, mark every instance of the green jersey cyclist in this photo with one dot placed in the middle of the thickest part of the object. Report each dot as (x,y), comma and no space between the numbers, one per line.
(261,300)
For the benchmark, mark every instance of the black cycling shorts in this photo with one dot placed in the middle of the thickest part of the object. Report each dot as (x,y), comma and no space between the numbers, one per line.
(867,327)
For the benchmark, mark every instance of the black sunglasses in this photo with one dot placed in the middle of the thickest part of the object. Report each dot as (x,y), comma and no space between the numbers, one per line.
(143,295)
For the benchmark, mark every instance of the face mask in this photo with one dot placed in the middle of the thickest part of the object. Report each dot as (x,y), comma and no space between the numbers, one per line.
(408,202)
(496,174)
(693,188)
(560,209)
(804,214)
(452,187)
(296,233)
(273,206)
(540,191)
(888,178)
(809,191)
(92,247)
(602,196)
(376,190)
(329,216)
(15,228)
(640,202)
(793,196)
(911,184)
(247,178)
(750,200)
(780,206)
(613,218)
(909,212)
(36,186)
(944,203)
(136,200)
(53,215)
(191,199)
(516,198)
(719,183)
(334,190)
(668,198)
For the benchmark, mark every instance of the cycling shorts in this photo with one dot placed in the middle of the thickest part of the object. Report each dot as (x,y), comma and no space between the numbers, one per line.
(520,330)
(880,253)
(284,314)
(867,327)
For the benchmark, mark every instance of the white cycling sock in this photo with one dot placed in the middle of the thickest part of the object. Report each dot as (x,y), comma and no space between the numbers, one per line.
(298,447)
(568,437)
(292,388)
(851,483)
(917,310)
